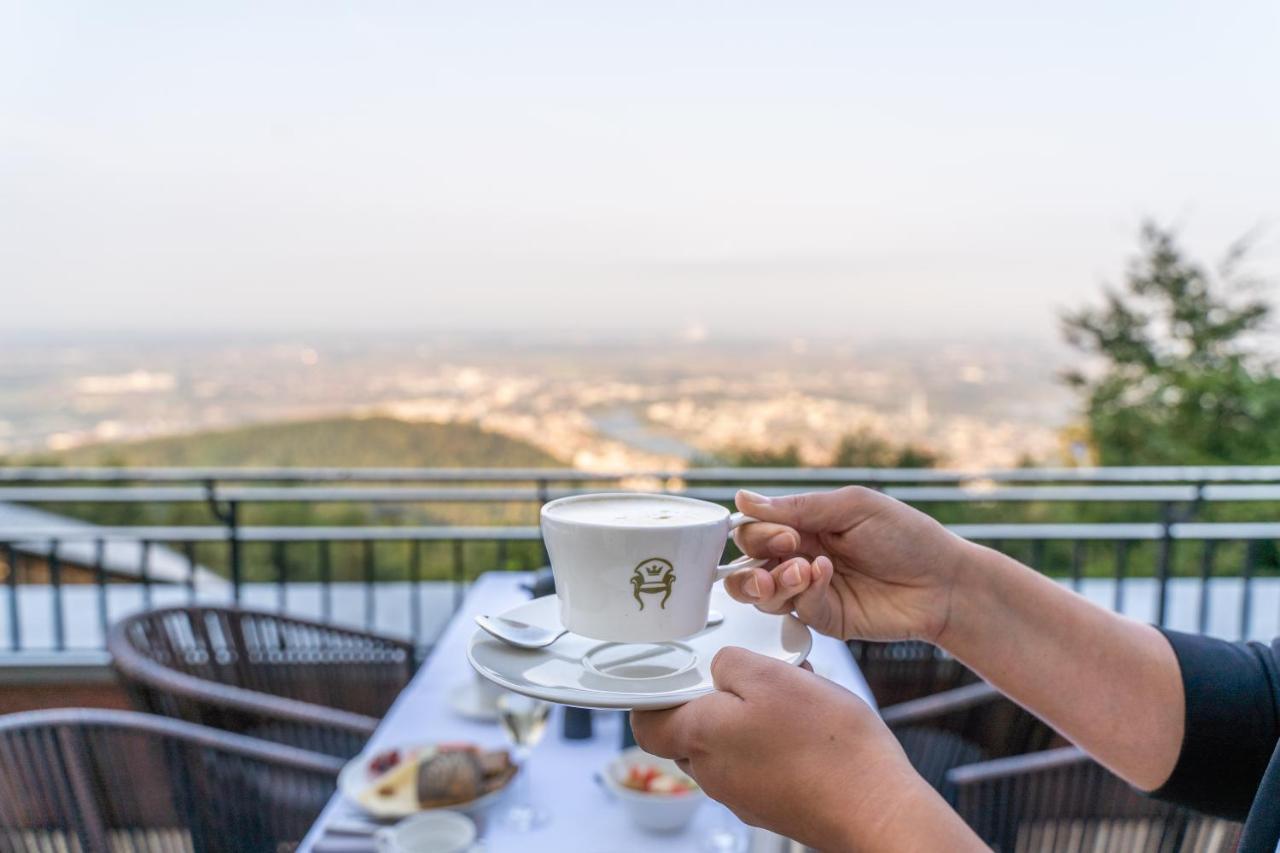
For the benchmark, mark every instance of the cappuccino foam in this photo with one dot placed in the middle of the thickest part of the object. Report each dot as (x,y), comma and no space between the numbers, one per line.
(636,511)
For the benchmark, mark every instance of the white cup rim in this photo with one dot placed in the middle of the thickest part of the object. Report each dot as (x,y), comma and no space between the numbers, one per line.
(571,499)
(434,816)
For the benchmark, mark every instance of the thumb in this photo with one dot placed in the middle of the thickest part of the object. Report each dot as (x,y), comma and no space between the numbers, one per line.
(740,672)
(814,512)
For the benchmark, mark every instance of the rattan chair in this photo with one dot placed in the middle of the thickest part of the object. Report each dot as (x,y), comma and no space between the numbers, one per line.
(287,680)
(961,726)
(901,671)
(1061,801)
(123,782)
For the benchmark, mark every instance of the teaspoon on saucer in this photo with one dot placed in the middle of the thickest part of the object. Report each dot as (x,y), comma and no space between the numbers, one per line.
(525,636)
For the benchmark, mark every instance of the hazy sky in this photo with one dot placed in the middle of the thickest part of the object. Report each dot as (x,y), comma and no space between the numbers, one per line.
(761,168)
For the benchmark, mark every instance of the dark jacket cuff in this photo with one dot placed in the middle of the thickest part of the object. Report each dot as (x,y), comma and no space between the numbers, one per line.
(1231,724)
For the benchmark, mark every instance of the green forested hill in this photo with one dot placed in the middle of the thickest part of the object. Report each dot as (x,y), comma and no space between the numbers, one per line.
(341,442)
(331,442)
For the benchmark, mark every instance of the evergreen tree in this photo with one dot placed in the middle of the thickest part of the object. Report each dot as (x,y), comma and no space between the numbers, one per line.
(1178,376)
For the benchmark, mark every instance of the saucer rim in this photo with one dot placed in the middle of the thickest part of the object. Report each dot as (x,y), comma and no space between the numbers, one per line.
(608,700)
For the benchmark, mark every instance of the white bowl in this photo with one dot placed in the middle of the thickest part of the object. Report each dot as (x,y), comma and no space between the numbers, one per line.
(437,831)
(654,812)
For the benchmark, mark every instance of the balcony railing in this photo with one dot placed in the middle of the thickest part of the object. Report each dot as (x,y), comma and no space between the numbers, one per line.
(1193,548)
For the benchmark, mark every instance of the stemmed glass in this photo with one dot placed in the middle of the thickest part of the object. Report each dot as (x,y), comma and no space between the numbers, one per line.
(725,834)
(524,720)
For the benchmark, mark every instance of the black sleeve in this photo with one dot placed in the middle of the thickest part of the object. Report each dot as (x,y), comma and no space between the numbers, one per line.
(1232,723)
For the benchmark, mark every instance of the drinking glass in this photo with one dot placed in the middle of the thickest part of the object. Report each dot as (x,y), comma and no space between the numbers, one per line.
(524,720)
(726,834)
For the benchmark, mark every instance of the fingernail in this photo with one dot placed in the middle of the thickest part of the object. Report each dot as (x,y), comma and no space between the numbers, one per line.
(754,497)
(791,575)
(752,587)
(783,543)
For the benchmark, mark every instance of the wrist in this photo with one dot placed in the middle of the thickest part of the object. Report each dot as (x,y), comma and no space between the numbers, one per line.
(972,597)
(908,817)
(879,817)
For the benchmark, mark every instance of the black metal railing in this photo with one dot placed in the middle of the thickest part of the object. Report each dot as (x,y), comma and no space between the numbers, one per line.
(1189,547)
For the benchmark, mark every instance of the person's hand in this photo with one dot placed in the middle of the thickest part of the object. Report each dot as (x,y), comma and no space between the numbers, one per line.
(852,563)
(803,757)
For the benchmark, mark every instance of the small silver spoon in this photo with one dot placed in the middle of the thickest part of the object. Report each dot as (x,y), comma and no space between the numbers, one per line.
(526,636)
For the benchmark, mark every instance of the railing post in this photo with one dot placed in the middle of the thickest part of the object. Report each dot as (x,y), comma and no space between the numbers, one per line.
(1122,575)
(55,589)
(233,543)
(100,577)
(15,627)
(542,500)
(1164,560)
(230,517)
(415,591)
(1077,564)
(278,558)
(326,579)
(1206,575)
(1246,596)
(189,551)
(459,574)
(370,588)
(144,573)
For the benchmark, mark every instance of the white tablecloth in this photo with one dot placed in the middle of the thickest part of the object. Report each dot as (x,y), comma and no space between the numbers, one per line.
(561,772)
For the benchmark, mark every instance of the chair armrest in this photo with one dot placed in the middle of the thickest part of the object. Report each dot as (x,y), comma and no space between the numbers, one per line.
(181,686)
(1050,798)
(291,757)
(1017,765)
(928,708)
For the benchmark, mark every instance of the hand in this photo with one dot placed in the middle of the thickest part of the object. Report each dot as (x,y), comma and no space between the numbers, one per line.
(853,563)
(803,757)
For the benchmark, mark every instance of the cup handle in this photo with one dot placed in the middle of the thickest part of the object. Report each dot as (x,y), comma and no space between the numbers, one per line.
(744,562)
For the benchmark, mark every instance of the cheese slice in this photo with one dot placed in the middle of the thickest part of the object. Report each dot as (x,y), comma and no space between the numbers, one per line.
(395,791)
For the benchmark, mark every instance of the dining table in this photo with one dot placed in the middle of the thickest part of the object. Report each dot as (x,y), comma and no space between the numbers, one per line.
(563,774)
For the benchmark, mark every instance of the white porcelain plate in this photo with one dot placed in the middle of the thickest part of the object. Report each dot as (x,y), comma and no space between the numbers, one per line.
(586,673)
(355,778)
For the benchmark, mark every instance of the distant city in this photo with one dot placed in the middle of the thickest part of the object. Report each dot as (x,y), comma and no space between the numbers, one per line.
(596,405)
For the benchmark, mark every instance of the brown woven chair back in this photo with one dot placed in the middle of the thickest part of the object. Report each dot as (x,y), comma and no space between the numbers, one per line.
(901,671)
(289,680)
(124,782)
(964,725)
(1061,801)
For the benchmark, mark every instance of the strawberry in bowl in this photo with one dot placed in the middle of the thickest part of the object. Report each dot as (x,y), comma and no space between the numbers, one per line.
(656,793)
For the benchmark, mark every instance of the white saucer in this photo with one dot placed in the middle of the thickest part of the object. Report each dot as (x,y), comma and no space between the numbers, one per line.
(586,673)
(468,700)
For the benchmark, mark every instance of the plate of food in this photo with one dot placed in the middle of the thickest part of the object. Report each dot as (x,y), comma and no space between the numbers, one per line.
(394,783)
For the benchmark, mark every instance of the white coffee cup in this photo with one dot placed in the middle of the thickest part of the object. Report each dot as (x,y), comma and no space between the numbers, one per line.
(636,568)
(435,831)
(486,691)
